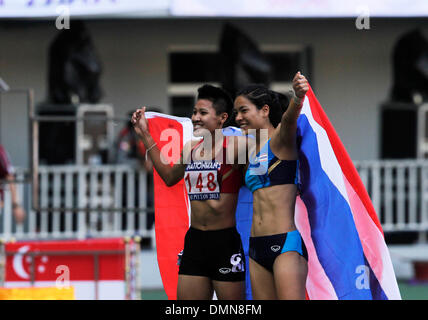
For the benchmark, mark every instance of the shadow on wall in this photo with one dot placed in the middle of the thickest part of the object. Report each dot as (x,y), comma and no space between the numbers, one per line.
(74,74)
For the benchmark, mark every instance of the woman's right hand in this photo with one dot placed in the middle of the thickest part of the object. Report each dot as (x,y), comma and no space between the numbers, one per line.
(140,122)
(170,175)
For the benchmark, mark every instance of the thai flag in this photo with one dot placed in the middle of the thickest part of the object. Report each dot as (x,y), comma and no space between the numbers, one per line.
(348,256)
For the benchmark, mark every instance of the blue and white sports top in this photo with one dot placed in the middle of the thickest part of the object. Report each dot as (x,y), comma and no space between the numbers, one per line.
(267,170)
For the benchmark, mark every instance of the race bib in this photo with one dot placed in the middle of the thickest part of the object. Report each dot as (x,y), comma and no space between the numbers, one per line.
(201,180)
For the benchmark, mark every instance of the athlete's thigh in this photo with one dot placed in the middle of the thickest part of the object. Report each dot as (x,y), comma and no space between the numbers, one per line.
(262,282)
(290,271)
(194,288)
(229,290)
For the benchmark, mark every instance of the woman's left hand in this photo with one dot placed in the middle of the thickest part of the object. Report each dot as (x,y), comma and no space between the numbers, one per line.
(300,85)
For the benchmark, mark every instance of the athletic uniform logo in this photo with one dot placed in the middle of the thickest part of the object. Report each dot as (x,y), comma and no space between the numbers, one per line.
(275,248)
(179,256)
(224,270)
(237,264)
(259,165)
(263,157)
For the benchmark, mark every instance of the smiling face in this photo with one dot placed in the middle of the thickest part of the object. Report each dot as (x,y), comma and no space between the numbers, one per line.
(205,117)
(248,116)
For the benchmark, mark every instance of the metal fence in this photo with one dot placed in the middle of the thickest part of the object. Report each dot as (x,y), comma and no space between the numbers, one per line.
(399,193)
(81,202)
(112,200)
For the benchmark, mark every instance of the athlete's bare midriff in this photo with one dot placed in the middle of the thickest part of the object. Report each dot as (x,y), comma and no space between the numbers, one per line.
(273,210)
(215,214)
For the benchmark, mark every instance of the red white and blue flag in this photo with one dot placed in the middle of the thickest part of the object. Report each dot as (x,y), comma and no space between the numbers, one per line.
(348,256)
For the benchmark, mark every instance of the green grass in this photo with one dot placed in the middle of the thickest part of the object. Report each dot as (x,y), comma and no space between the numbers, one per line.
(413,291)
(153,295)
(409,291)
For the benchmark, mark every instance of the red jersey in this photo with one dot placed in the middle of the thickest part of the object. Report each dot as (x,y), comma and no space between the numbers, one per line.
(206,179)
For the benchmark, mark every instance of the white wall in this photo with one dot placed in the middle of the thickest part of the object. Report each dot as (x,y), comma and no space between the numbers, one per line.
(352,69)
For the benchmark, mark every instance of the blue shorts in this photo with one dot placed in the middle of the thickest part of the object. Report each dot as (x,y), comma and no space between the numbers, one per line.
(265,249)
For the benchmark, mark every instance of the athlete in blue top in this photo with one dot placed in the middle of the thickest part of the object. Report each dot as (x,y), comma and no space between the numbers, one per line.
(278,258)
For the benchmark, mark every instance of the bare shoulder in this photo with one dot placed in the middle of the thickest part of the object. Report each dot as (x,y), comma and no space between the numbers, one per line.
(280,149)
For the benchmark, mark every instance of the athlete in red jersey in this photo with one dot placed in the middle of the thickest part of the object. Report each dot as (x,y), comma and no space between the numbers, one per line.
(213,257)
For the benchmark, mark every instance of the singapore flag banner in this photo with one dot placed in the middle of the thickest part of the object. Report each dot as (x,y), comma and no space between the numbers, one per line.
(94,268)
(347,255)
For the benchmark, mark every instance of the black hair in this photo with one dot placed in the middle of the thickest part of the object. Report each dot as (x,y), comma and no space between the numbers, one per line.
(260,95)
(221,100)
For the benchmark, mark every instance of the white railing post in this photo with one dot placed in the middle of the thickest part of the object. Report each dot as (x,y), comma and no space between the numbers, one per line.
(106,202)
(31,217)
(413,195)
(56,203)
(423,205)
(388,196)
(93,201)
(20,189)
(81,203)
(400,196)
(118,203)
(68,214)
(130,201)
(44,215)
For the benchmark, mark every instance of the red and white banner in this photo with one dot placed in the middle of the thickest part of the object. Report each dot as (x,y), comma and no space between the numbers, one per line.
(172,205)
(94,267)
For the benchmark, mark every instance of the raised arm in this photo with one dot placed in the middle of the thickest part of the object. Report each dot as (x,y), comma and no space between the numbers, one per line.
(284,139)
(170,175)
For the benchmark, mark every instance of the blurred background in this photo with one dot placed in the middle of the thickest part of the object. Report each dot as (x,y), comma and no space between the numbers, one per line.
(72,71)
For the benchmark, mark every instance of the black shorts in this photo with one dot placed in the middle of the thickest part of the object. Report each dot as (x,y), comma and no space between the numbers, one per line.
(265,249)
(216,254)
